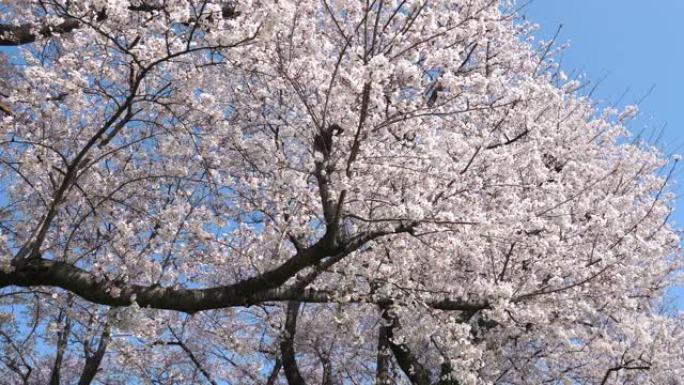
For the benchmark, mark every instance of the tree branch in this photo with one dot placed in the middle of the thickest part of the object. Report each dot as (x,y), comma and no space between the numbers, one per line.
(622,367)
(408,363)
(273,377)
(294,377)
(42,272)
(193,358)
(92,363)
(62,338)
(382,366)
(28,33)
(13,35)
(104,292)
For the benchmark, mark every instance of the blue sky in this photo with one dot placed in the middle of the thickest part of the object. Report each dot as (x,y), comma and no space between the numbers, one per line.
(635,45)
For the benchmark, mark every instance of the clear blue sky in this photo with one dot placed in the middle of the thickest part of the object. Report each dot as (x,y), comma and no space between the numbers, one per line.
(637,44)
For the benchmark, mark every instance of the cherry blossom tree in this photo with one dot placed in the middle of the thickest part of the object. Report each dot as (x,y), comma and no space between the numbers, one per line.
(321,192)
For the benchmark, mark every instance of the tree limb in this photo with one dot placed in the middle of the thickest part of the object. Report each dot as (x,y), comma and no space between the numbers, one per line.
(294,377)
(273,377)
(245,293)
(4,109)
(28,33)
(62,338)
(382,365)
(193,358)
(92,363)
(13,35)
(622,367)
(408,363)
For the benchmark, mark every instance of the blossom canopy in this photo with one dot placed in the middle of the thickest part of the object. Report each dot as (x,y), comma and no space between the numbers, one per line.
(321,191)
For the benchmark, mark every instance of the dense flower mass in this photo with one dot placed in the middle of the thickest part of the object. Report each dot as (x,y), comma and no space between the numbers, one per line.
(320,192)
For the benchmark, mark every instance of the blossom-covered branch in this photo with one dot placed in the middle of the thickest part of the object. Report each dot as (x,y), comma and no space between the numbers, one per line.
(13,34)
